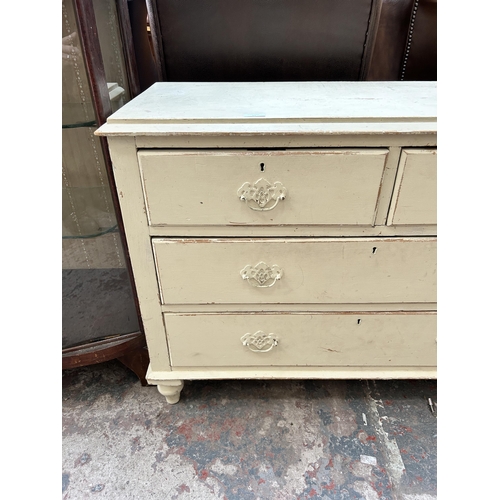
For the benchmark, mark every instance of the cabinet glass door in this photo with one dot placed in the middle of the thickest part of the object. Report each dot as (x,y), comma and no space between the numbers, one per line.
(98,299)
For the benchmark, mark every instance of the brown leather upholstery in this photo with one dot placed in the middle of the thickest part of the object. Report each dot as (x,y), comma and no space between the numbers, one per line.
(390,41)
(421,60)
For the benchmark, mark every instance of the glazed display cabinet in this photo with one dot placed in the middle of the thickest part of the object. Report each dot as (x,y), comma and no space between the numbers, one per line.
(100,317)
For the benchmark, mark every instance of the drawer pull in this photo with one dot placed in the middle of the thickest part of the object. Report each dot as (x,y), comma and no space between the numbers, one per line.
(259,341)
(262,195)
(261,275)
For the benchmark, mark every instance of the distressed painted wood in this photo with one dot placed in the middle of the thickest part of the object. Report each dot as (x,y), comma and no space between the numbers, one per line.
(300,308)
(271,107)
(353,339)
(201,271)
(333,275)
(284,372)
(415,192)
(264,137)
(246,230)
(386,187)
(171,389)
(339,186)
(128,182)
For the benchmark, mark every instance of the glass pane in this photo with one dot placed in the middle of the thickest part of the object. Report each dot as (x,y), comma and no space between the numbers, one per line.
(97,294)
(112,51)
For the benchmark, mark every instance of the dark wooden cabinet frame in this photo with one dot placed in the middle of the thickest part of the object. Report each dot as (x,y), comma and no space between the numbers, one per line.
(130,349)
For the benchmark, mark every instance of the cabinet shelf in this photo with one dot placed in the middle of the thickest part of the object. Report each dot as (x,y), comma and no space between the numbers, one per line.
(78,114)
(92,123)
(95,235)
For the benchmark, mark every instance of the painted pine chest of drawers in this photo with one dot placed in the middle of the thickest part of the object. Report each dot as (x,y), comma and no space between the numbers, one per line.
(281,230)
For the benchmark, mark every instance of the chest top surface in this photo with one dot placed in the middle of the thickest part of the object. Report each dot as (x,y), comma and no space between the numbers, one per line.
(257,107)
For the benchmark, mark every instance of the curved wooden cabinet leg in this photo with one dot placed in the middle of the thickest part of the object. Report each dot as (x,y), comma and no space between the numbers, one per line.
(138,362)
(171,389)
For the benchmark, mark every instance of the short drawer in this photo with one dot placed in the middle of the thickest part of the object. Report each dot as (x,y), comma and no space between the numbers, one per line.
(232,188)
(336,339)
(415,193)
(296,271)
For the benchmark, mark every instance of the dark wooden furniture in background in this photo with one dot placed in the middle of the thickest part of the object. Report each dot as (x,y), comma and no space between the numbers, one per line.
(101,319)
(280,40)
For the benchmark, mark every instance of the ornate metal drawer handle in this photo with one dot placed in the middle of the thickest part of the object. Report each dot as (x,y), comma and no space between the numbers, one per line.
(259,341)
(262,195)
(261,275)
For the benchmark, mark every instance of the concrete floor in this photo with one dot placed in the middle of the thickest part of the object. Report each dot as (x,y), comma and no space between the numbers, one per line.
(238,440)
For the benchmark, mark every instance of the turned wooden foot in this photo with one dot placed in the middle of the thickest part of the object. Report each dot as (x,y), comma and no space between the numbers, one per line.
(171,389)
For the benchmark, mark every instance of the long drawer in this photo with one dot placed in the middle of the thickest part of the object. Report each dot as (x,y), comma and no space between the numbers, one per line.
(239,187)
(349,339)
(296,271)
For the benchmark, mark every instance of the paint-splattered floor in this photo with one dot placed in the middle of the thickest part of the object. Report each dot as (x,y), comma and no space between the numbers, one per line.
(238,440)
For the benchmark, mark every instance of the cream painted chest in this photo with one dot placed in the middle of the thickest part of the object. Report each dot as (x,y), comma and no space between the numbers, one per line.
(281,230)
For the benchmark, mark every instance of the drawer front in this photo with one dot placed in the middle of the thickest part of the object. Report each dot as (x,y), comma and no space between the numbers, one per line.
(415,199)
(360,339)
(314,187)
(296,271)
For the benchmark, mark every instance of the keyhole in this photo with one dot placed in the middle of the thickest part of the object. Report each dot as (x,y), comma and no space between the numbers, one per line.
(359,321)
(374,249)
(262,167)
